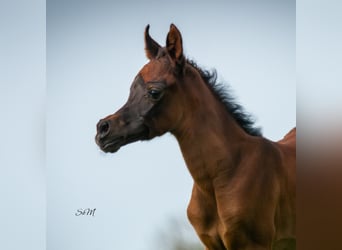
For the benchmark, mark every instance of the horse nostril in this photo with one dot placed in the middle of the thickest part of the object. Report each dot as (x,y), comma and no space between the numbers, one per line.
(103,128)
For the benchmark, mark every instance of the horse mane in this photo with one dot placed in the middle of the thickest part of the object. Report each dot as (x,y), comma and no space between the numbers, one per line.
(220,90)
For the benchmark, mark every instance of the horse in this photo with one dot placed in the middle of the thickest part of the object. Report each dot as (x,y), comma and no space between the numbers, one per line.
(244,191)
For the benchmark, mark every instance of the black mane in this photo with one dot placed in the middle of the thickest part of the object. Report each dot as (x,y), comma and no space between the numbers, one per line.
(245,120)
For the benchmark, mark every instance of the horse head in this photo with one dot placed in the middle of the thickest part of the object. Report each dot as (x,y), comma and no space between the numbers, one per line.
(150,109)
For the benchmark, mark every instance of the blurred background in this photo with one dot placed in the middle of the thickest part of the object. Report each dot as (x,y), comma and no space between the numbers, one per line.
(22,125)
(94,51)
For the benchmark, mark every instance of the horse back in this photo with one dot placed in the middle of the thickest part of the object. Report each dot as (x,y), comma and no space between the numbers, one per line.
(289,139)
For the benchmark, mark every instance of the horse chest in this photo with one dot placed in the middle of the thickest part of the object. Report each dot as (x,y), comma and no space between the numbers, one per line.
(203,215)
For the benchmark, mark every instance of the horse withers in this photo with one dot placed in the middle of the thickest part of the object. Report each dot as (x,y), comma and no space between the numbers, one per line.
(244,190)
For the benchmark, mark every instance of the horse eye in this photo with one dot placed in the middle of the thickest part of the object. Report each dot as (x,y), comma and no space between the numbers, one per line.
(155,94)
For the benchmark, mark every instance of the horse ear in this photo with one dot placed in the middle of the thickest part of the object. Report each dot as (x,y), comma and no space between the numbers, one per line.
(174,44)
(151,46)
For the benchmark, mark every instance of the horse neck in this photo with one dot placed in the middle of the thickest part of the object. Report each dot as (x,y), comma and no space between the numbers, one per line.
(208,136)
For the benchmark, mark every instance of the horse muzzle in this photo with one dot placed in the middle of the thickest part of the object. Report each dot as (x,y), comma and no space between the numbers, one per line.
(113,133)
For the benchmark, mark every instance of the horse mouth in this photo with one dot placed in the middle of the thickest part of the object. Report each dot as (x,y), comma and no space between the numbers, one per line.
(114,144)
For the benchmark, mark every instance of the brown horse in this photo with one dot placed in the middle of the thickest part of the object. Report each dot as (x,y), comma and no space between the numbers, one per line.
(244,190)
